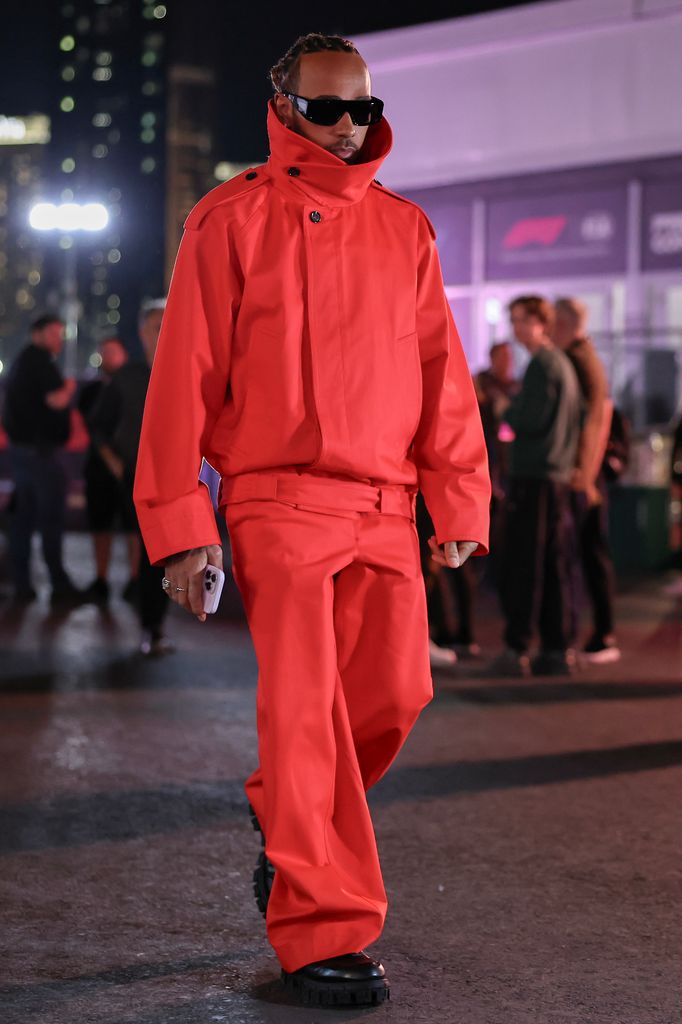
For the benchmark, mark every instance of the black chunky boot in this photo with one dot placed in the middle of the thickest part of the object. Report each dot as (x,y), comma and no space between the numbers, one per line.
(350,980)
(264,874)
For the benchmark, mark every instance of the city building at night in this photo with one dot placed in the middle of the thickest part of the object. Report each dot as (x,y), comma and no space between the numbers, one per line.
(23,155)
(108,146)
(545,143)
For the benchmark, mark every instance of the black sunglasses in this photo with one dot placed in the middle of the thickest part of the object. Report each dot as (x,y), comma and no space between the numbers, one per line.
(330,112)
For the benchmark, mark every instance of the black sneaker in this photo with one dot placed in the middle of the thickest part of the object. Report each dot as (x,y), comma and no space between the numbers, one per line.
(131,590)
(264,873)
(601,650)
(350,980)
(553,663)
(97,592)
(66,595)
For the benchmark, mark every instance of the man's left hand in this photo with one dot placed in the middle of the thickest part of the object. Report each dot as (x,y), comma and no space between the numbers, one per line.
(455,554)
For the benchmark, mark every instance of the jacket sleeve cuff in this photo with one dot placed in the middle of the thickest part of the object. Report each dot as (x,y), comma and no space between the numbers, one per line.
(178,525)
(459,507)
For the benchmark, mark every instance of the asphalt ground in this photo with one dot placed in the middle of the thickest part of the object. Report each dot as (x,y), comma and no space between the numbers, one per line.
(530,831)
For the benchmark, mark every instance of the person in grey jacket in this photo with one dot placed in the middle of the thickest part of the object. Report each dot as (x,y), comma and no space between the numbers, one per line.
(535,576)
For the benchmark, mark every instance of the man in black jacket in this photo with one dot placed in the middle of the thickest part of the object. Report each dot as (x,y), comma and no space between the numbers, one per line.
(37,421)
(115,424)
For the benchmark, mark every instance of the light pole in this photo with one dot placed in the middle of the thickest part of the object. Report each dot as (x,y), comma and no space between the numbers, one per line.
(69,219)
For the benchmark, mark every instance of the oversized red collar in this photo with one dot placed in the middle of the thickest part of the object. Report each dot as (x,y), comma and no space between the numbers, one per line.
(322,177)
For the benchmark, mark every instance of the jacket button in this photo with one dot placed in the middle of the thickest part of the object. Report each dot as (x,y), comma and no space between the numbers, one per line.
(316,217)
(294,172)
(251,175)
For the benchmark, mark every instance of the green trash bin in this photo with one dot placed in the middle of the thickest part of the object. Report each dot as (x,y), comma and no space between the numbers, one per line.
(639,527)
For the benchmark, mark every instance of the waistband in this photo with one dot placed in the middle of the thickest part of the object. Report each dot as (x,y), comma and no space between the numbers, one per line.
(308,491)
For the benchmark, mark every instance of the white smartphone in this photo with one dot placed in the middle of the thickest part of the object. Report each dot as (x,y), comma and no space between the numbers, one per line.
(214,578)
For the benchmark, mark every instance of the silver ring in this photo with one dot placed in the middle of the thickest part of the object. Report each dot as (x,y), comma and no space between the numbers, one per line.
(165,583)
(180,590)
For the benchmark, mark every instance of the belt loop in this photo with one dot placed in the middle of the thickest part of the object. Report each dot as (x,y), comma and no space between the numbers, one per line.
(381,496)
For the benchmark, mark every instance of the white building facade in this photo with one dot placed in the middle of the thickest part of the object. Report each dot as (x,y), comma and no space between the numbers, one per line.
(545,143)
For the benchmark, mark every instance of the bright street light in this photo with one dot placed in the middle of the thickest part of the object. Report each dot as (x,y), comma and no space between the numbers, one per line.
(69,218)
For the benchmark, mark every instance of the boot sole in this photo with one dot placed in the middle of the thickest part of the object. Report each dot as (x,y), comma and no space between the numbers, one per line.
(264,873)
(339,993)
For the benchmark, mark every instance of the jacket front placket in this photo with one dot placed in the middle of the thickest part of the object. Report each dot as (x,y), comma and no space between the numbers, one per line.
(325,321)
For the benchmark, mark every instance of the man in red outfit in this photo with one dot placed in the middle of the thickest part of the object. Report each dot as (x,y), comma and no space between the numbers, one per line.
(308,352)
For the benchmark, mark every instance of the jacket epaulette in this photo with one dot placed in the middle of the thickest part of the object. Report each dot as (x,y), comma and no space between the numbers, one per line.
(404,199)
(232,189)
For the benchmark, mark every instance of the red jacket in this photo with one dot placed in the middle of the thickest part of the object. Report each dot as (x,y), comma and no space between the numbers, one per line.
(307,325)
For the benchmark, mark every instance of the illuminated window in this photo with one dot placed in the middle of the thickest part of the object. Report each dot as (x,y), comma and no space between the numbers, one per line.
(66,242)
(34,277)
(95,360)
(67,43)
(100,151)
(149,58)
(148,135)
(101,120)
(68,165)
(114,316)
(148,119)
(67,104)
(159,11)
(148,165)
(103,58)
(114,301)
(101,74)
(114,255)
(68,73)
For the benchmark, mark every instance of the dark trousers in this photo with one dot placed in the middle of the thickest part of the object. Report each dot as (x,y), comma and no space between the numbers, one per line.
(445,588)
(152,603)
(38,504)
(591,525)
(535,579)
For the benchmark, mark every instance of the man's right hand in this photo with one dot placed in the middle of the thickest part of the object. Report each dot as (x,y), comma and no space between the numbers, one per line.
(185,571)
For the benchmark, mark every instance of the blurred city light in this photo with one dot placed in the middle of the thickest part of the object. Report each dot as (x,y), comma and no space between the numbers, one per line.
(69,217)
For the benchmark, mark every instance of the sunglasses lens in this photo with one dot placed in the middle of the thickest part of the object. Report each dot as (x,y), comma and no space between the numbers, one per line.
(329,112)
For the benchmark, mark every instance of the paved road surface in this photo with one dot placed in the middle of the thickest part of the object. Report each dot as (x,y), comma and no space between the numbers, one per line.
(531,833)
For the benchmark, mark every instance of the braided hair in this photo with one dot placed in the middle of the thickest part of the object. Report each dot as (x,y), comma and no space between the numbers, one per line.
(284,74)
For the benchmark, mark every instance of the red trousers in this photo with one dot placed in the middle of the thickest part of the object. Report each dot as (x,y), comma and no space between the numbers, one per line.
(330,577)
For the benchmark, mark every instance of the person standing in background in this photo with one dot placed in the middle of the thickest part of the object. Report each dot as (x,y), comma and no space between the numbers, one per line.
(37,419)
(589,496)
(535,576)
(106,501)
(116,423)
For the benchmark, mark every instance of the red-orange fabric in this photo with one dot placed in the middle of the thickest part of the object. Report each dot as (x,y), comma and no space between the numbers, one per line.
(307,325)
(343,673)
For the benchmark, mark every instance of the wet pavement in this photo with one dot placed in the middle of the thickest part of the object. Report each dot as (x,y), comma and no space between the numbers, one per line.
(530,831)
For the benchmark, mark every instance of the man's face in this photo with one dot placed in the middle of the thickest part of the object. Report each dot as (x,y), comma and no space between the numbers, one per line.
(501,360)
(52,337)
(113,355)
(529,330)
(329,75)
(149,333)
(565,329)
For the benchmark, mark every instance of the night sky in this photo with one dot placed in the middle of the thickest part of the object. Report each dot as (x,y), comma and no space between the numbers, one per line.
(243,39)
